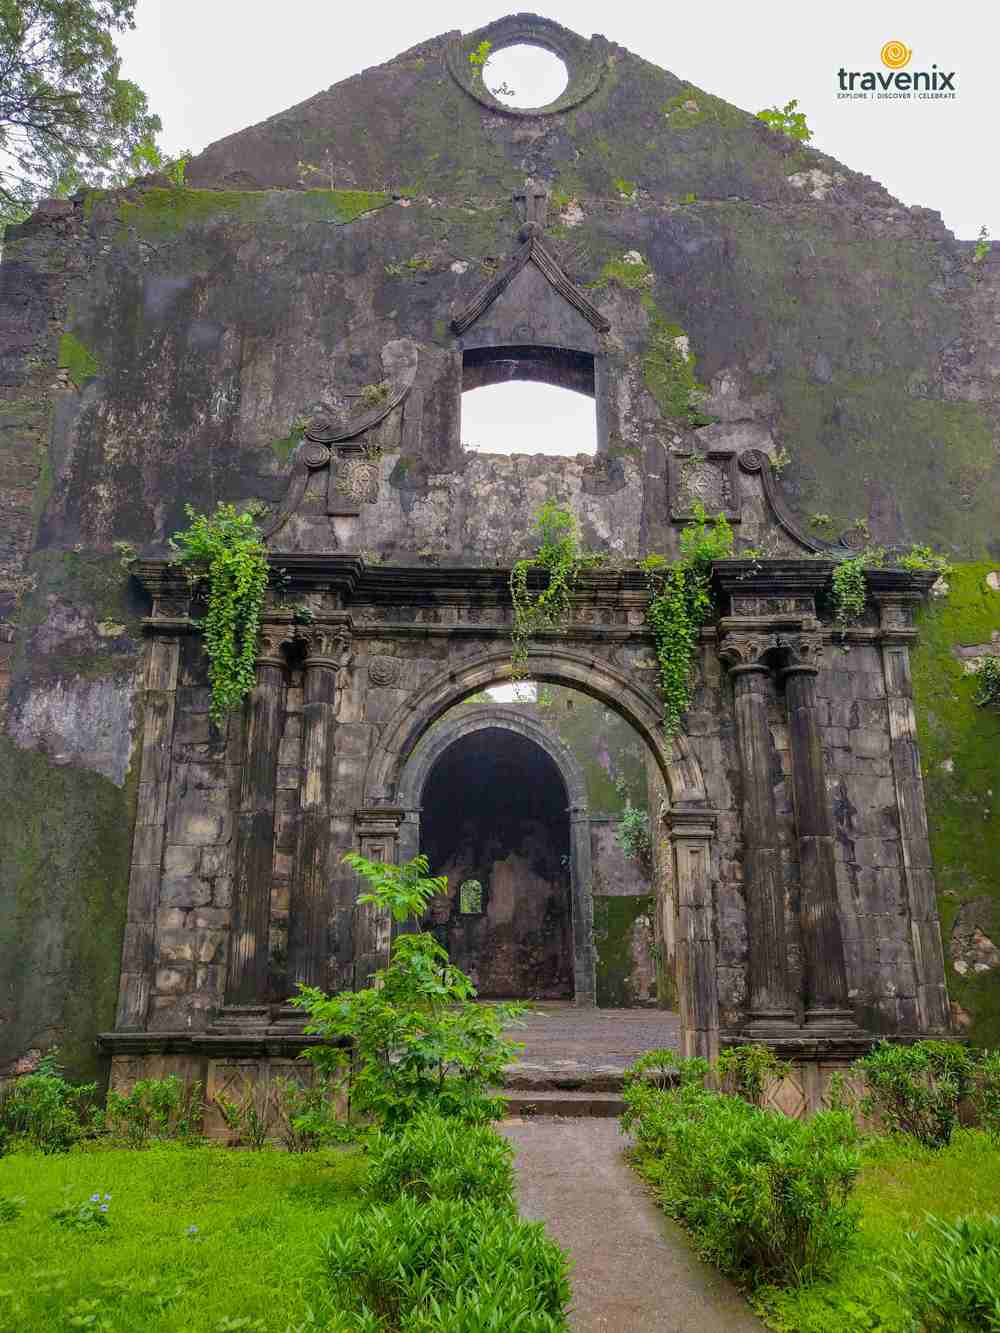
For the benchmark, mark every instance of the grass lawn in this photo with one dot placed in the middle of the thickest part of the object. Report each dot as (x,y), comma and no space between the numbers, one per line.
(253,1264)
(898,1187)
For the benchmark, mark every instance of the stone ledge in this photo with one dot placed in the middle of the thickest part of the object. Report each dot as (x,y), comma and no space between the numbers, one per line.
(267,1041)
(810,1048)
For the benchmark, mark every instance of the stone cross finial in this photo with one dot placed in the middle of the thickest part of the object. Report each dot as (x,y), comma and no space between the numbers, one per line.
(532,202)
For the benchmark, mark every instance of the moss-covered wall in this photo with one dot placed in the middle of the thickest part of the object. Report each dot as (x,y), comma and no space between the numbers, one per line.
(623,941)
(960,757)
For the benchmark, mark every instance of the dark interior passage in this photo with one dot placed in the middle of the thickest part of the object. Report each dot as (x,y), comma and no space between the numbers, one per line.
(494,820)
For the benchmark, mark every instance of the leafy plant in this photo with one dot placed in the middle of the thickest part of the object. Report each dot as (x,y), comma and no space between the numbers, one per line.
(153,1107)
(43,1110)
(747,1070)
(479,57)
(309,1115)
(986,1094)
(226,551)
(987,677)
(418,1040)
(438,1157)
(248,1120)
(91,1215)
(679,602)
(560,559)
(850,587)
(948,1274)
(633,836)
(982,245)
(448,1266)
(766,1197)
(10,1207)
(786,120)
(923,558)
(916,1089)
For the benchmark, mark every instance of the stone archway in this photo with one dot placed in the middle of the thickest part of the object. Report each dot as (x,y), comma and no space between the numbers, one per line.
(689,824)
(432,747)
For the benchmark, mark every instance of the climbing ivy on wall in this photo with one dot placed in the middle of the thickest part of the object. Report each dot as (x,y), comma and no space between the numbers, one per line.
(225,553)
(850,587)
(559,556)
(679,602)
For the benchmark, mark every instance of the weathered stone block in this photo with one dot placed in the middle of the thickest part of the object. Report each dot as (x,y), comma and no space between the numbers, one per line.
(185,891)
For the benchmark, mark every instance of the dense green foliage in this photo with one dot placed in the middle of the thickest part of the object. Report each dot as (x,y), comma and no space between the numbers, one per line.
(746,1071)
(560,559)
(152,1108)
(916,1089)
(949,1275)
(679,602)
(892,1279)
(765,1197)
(43,1110)
(448,1266)
(225,551)
(418,1040)
(988,680)
(66,115)
(440,1157)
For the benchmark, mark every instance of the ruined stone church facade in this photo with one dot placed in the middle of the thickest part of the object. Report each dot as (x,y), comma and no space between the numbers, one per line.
(251,336)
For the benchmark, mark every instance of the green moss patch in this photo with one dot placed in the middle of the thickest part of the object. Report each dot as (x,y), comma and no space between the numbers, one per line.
(614,918)
(164,211)
(78,360)
(960,758)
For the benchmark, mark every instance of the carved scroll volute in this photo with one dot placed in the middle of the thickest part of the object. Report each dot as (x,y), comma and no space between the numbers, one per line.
(801,652)
(744,650)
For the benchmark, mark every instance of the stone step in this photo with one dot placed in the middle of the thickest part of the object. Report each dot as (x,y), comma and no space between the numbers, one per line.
(560,1078)
(525,1105)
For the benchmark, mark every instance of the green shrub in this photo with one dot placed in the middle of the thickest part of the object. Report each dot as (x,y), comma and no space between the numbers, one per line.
(10,1207)
(439,1157)
(766,1197)
(747,1070)
(152,1108)
(308,1115)
(43,1110)
(448,1264)
(986,1094)
(949,1275)
(916,1089)
(418,1042)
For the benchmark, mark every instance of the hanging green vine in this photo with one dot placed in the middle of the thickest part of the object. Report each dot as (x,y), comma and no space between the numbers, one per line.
(680,600)
(850,589)
(225,552)
(559,556)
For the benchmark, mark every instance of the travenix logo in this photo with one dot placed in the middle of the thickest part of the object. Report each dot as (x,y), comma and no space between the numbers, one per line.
(896,82)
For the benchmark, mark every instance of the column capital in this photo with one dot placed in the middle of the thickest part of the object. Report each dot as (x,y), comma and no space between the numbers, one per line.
(270,642)
(748,651)
(691,825)
(802,653)
(328,642)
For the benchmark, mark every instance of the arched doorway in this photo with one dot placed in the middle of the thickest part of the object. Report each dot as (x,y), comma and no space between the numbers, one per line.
(497,802)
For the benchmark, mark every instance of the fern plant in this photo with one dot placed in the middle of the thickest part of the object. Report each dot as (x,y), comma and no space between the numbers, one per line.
(225,553)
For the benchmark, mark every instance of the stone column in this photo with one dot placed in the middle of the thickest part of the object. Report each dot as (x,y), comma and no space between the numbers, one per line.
(247,974)
(581,881)
(328,656)
(822,938)
(691,833)
(914,839)
(377,828)
(150,820)
(770,1005)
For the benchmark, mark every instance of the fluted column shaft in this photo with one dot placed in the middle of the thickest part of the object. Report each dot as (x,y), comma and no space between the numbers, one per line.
(822,938)
(327,656)
(247,975)
(770,1002)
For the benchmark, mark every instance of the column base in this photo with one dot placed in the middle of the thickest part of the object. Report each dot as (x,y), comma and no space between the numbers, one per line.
(773,1023)
(830,1020)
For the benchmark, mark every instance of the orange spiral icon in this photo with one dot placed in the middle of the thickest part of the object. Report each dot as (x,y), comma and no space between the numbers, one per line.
(895,55)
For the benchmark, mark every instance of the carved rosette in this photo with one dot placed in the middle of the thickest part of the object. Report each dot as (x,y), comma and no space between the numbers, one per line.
(358,480)
(383,671)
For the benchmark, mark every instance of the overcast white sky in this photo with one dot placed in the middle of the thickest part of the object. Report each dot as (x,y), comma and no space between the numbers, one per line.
(211,67)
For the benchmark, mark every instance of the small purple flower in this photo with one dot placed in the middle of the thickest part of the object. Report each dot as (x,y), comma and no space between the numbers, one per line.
(192,1231)
(95,1198)
(104,1207)
(107,1198)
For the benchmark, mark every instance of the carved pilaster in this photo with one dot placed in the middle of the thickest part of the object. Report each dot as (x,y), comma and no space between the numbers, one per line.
(691,833)
(377,828)
(327,661)
(914,839)
(770,1005)
(247,976)
(822,937)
